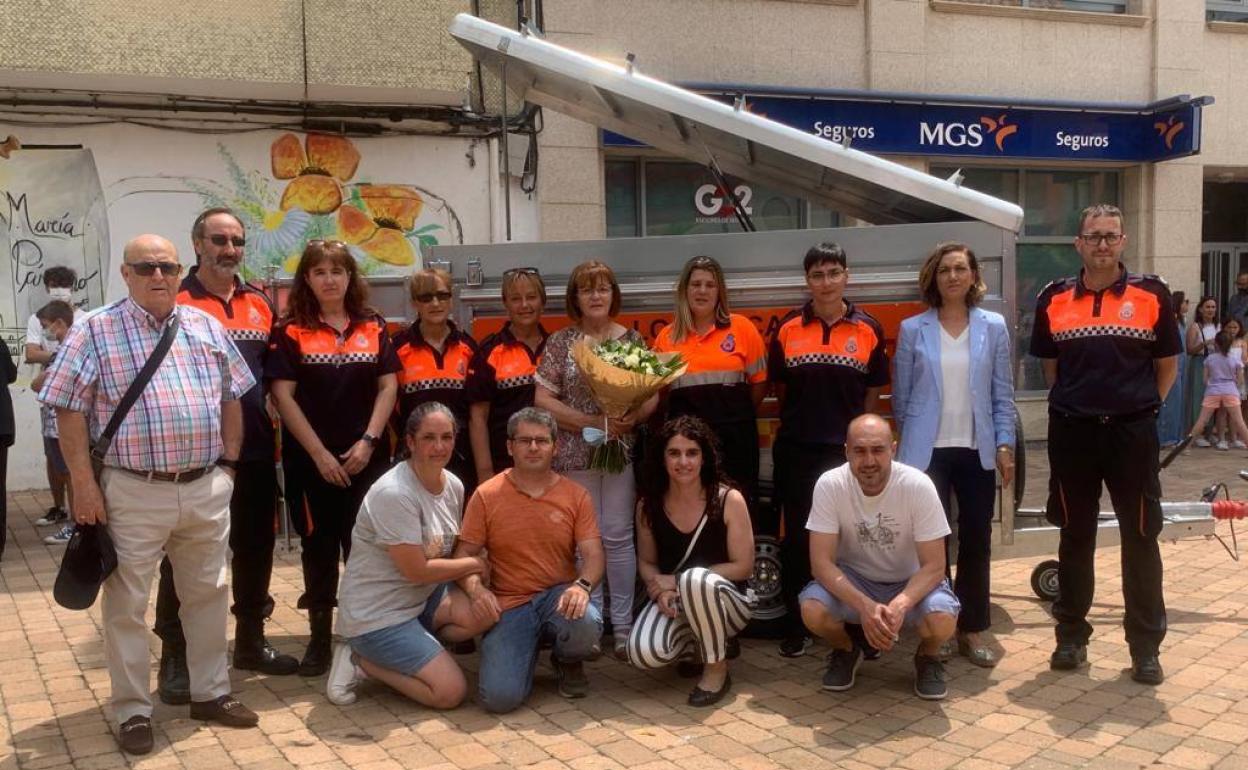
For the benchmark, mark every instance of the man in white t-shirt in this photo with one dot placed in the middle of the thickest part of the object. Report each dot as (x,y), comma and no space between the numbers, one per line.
(877,553)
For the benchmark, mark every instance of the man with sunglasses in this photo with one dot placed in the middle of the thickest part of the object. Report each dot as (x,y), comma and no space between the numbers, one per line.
(167,477)
(1108,343)
(215,287)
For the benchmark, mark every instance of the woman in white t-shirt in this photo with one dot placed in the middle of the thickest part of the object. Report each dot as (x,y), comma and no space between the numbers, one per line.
(1199,343)
(397,598)
(953,401)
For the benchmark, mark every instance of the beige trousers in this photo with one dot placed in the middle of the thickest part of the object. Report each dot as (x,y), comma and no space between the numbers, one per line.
(191,523)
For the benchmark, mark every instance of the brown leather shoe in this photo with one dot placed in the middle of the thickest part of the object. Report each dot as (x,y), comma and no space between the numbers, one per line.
(135,735)
(224,710)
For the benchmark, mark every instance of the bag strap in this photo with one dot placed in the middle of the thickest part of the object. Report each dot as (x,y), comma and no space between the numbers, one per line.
(692,542)
(100,449)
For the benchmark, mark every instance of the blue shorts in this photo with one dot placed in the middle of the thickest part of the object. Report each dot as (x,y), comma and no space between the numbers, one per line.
(405,647)
(940,599)
(52,450)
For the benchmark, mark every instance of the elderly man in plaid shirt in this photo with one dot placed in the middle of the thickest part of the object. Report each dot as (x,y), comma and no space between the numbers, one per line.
(167,478)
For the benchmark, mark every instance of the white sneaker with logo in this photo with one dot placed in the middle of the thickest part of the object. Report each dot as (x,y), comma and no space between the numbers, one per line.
(343,677)
(61,536)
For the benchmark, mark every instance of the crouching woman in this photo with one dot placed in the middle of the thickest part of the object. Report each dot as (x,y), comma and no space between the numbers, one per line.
(397,598)
(695,551)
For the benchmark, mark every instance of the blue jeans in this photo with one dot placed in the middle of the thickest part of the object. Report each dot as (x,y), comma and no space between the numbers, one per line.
(509,649)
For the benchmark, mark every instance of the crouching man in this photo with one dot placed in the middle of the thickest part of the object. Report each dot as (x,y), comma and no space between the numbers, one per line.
(531,522)
(877,554)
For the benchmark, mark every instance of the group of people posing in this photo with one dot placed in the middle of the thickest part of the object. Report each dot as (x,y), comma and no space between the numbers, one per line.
(486,520)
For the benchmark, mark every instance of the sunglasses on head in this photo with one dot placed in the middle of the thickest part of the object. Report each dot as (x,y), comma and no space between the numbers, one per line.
(522,271)
(220,240)
(148,269)
(444,296)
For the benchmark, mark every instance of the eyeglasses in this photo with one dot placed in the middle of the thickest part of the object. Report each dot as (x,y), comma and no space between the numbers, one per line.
(835,274)
(443,296)
(148,269)
(535,441)
(1110,239)
(220,240)
(522,271)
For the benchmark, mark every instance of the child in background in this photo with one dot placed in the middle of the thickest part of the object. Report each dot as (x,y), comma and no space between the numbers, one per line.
(1224,373)
(1239,349)
(55,317)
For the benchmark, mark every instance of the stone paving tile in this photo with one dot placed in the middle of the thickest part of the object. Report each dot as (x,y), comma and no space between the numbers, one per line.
(54,691)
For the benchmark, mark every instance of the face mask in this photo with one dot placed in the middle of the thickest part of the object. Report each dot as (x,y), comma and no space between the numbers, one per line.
(64,295)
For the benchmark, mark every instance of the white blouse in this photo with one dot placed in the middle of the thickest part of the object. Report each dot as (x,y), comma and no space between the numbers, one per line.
(957,421)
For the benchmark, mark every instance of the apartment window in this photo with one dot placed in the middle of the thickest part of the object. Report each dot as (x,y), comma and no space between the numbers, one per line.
(1095,6)
(1226,10)
(661,197)
(1051,202)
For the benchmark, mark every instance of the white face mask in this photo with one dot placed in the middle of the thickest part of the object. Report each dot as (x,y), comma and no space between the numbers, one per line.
(64,295)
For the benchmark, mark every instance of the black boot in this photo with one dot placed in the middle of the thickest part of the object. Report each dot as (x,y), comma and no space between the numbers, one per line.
(319,654)
(252,652)
(173,681)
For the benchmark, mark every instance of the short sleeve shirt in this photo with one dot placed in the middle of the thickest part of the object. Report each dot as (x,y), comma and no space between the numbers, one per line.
(397,510)
(1222,372)
(428,374)
(501,374)
(1105,343)
(531,541)
(721,366)
(335,375)
(826,370)
(559,373)
(878,534)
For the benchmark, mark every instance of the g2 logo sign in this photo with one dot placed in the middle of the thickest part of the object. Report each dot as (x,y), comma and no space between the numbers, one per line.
(711,201)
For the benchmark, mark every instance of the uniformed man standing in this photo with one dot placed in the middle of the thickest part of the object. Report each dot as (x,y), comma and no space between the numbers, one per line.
(1108,344)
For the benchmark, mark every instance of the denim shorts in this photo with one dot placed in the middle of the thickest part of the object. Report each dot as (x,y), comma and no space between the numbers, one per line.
(405,647)
(52,450)
(940,599)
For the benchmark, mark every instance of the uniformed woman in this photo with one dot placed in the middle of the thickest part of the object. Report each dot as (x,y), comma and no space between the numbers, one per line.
(500,378)
(435,355)
(332,372)
(726,377)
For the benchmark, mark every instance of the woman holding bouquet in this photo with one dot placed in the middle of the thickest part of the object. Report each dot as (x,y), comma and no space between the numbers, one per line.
(726,375)
(593,301)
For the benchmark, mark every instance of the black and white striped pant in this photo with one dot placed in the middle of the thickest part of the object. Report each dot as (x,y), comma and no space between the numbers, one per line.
(712,611)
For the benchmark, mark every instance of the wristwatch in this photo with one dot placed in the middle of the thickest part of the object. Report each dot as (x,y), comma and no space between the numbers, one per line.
(583,583)
(371,439)
(230,464)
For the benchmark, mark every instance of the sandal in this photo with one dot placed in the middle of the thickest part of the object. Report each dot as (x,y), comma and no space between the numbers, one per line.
(979,654)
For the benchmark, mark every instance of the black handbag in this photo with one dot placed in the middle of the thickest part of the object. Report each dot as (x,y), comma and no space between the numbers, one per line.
(99,449)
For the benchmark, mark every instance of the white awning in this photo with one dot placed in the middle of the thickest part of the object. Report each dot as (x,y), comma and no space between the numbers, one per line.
(744,145)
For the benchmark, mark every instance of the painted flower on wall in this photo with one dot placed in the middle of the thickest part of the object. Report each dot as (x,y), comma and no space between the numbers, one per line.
(317,175)
(378,220)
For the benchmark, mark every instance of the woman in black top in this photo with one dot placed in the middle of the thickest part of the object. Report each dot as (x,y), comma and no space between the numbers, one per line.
(695,550)
(8,373)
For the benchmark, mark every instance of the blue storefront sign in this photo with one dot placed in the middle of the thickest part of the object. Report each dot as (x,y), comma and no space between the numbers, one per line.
(1172,130)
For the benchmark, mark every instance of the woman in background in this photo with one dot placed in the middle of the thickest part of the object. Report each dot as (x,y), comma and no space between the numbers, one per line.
(1170,420)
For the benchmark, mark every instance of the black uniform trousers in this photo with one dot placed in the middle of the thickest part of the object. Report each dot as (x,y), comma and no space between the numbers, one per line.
(253,508)
(796,469)
(957,472)
(324,515)
(738,452)
(1121,452)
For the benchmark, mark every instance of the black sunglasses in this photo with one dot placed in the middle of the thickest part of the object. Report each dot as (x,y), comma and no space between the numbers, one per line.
(148,269)
(522,271)
(445,296)
(220,240)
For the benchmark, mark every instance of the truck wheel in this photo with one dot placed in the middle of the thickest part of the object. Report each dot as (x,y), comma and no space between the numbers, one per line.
(769,612)
(1044,580)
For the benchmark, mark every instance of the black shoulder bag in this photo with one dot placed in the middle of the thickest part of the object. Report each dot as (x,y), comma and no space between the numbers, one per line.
(100,448)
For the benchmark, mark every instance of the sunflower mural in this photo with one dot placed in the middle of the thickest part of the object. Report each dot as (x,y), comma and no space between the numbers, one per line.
(311,191)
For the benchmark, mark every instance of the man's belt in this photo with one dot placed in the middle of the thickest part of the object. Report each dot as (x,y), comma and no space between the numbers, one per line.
(181,477)
(1104,419)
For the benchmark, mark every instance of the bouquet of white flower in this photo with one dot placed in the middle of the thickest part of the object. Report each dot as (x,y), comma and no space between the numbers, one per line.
(622,375)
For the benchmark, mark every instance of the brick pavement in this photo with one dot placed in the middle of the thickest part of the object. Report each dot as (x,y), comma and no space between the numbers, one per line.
(54,687)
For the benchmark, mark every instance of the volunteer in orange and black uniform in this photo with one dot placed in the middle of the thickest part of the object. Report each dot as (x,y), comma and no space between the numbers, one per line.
(215,287)
(827,365)
(331,369)
(500,377)
(1108,343)
(726,378)
(434,355)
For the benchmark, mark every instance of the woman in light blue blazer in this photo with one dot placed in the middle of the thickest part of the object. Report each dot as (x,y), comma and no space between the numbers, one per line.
(953,400)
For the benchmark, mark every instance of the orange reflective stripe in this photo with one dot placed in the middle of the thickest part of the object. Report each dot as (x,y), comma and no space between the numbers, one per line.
(250,316)
(363,343)
(512,365)
(847,343)
(1134,314)
(421,370)
(737,347)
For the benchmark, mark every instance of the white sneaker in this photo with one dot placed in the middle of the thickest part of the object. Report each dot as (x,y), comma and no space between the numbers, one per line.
(1202,442)
(1222,445)
(1237,444)
(343,677)
(61,536)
